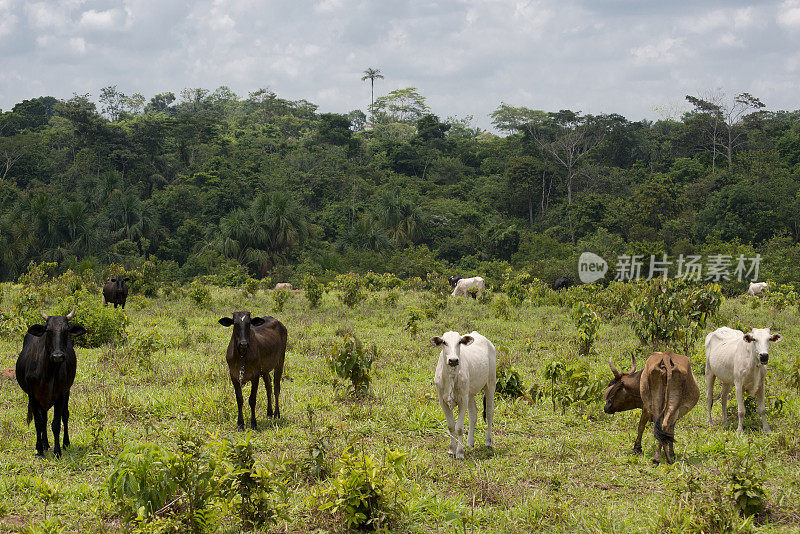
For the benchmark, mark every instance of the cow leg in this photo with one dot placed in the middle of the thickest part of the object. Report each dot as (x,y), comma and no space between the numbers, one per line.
(462,409)
(488,406)
(762,411)
(710,392)
(65,418)
(237,387)
(723,400)
(473,419)
(56,426)
(643,420)
(268,387)
(253,395)
(277,375)
(451,427)
(43,427)
(33,407)
(740,405)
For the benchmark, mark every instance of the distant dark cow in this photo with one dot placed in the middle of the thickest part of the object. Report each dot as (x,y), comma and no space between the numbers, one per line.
(665,390)
(257,346)
(454,280)
(115,291)
(45,371)
(562,283)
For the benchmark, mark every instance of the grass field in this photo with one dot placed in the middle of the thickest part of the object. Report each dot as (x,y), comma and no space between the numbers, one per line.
(549,471)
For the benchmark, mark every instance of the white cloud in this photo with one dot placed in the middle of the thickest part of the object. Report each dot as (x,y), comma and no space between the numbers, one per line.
(667,50)
(789,14)
(45,17)
(108,20)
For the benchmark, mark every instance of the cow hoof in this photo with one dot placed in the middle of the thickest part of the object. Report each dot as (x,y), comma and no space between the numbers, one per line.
(254,427)
(450,454)
(276,415)
(57,454)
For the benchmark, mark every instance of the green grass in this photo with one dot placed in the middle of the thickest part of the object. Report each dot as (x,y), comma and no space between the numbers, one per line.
(554,472)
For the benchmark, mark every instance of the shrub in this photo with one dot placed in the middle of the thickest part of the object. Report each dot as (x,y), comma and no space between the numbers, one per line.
(571,385)
(103,324)
(200,294)
(375,282)
(281,297)
(502,308)
(366,494)
(250,286)
(147,279)
(588,323)
(350,361)
(746,488)
(142,345)
(509,383)
(314,291)
(351,288)
(518,288)
(414,315)
(390,298)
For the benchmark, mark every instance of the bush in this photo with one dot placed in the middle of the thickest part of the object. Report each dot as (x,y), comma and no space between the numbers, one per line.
(350,361)
(571,385)
(103,324)
(314,291)
(250,286)
(200,294)
(366,494)
(375,282)
(502,308)
(747,490)
(351,287)
(390,298)
(588,323)
(414,315)
(509,383)
(281,297)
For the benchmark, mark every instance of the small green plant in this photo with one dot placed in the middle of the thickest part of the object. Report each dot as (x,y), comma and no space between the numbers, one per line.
(570,385)
(390,298)
(509,383)
(142,345)
(502,308)
(747,490)
(250,286)
(280,297)
(314,291)
(587,323)
(414,317)
(200,294)
(349,360)
(367,494)
(351,289)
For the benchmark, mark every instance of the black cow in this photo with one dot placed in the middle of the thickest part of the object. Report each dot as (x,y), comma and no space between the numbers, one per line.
(115,291)
(45,371)
(562,283)
(454,280)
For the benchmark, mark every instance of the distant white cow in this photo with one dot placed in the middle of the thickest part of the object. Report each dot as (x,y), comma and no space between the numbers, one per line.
(467,365)
(757,288)
(465,284)
(283,285)
(738,360)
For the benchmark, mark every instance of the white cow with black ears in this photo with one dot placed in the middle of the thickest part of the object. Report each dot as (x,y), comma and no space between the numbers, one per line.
(739,360)
(467,365)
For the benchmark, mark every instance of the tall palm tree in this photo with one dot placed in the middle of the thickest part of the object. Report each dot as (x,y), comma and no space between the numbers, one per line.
(371,74)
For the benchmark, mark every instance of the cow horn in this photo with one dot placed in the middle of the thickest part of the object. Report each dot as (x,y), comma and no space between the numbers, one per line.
(71,314)
(44,315)
(613,368)
(633,362)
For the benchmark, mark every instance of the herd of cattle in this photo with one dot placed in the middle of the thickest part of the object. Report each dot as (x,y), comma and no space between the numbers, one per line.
(665,389)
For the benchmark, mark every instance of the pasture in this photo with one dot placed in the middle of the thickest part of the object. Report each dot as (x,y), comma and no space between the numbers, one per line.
(549,471)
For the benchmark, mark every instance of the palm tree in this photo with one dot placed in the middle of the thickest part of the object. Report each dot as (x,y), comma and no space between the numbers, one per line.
(371,74)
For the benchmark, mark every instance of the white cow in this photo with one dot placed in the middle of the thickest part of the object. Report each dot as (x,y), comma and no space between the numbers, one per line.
(283,285)
(738,360)
(467,365)
(465,284)
(757,288)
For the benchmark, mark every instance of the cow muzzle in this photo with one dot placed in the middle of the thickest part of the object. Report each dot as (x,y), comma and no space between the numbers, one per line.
(242,348)
(608,408)
(452,363)
(764,357)
(57,357)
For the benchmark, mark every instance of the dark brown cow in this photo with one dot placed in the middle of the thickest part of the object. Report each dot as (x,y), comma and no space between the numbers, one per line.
(665,390)
(115,291)
(257,346)
(45,371)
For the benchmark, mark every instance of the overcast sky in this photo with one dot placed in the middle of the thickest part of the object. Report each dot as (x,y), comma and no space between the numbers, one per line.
(633,57)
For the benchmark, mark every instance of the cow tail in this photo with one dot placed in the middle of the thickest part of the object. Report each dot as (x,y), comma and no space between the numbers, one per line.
(660,434)
(484,405)
(30,415)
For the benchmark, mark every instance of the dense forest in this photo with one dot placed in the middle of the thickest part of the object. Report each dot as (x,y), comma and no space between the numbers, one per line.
(207,181)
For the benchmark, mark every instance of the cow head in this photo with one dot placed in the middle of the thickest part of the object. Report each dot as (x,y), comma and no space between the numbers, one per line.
(759,339)
(454,280)
(451,342)
(622,393)
(119,282)
(241,323)
(57,332)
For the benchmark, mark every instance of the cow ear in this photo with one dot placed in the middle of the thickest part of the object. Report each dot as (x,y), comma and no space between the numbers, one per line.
(748,338)
(257,321)
(37,330)
(76,330)
(436,341)
(467,340)
(775,338)
(226,321)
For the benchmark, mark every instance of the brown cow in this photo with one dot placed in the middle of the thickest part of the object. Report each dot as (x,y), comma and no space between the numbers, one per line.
(665,390)
(257,346)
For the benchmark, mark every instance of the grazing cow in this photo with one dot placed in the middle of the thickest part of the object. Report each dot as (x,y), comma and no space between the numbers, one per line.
(454,280)
(115,291)
(45,371)
(465,284)
(757,288)
(467,364)
(562,283)
(665,390)
(739,360)
(257,346)
(283,285)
